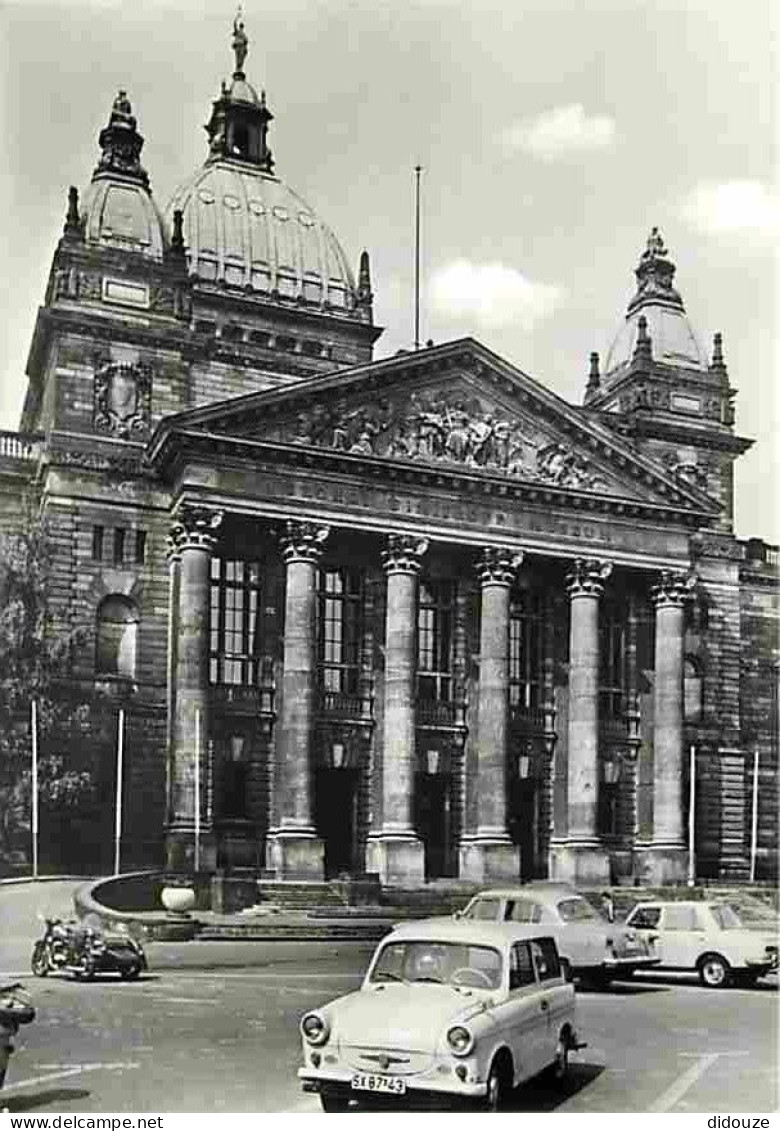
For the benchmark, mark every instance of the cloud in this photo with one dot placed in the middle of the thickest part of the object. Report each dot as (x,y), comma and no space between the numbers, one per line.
(560,132)
(492,295)
(735,206)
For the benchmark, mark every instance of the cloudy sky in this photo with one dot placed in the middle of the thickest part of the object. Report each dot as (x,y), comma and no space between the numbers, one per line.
(552,137)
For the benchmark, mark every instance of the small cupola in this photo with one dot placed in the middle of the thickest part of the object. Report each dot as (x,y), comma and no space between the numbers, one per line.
(238,127)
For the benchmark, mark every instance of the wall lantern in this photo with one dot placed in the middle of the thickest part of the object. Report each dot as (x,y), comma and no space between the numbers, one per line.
(432,761)
(611,769)
(337,755)
(524,765)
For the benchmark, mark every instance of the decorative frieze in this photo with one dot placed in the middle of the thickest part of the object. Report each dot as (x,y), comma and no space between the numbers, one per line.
(304,541)
(404,553)
(442,427)
(587,576)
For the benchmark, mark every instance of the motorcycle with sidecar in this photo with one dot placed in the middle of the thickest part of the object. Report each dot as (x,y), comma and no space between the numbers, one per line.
(83,951)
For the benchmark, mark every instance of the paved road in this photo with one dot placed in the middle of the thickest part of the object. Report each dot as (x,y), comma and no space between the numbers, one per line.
(213,1027)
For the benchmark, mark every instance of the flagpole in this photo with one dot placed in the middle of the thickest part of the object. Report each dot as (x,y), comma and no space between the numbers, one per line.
(417,171)
(754,820)
(692,821)
(197,791)
(34,725)
(120,751)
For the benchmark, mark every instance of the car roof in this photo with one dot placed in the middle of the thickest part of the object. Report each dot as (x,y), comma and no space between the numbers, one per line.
(680,903)
(527,891)
(469,930)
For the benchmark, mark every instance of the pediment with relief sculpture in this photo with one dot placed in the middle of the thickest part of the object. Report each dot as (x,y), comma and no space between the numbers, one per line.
(451,407)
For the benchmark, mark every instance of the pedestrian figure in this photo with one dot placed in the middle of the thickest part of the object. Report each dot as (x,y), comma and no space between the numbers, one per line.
(608,906)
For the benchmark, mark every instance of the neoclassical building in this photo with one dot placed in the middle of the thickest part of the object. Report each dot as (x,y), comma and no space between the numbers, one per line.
(417,617)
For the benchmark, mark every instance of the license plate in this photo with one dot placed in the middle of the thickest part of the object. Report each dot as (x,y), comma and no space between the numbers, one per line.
(367,1082)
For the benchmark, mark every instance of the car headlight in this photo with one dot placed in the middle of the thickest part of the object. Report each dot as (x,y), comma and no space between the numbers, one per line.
(314,1029)
(460,1040)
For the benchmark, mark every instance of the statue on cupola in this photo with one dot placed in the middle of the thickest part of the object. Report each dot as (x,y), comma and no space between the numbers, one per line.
(238,127)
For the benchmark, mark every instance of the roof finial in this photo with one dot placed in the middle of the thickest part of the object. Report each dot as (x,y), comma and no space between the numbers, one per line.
(364,294)
(240,43)
(717,352)
(73,220)
(643,350)
(594,377)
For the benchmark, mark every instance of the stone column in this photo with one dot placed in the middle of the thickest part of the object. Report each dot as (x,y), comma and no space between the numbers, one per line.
(294,850)
(579,857)
(174,575)
(394,850)
(194,538)
(665,859)
(488,854)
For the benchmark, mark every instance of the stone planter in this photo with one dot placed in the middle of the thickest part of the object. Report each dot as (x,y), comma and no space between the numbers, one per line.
(178,901)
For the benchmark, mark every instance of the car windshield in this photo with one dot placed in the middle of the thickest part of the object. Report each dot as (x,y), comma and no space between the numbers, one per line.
(725,916)
(447,963)
(576,910)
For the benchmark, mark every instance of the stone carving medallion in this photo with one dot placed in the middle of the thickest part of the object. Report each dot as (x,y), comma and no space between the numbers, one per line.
(123,400)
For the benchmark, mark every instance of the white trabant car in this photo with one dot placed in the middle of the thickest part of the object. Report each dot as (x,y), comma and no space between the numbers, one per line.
(709,938)
(591,948)
(447,1011)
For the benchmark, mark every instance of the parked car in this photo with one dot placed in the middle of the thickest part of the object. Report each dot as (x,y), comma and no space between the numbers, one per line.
(447,1011)
(591,948)
(709,938)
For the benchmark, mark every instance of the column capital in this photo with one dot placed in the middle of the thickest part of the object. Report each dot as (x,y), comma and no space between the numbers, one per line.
(587,576)
(303,541)
(497,566)
(404,553)
(194,528)
(674,588)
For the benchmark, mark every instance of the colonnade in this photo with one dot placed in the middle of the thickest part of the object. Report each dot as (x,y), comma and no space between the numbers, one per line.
(394,849)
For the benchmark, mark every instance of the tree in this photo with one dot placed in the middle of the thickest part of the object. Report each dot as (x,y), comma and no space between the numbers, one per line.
(35,663)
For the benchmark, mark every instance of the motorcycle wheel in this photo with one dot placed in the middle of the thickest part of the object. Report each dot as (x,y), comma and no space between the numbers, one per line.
(130,973)
(39,963)
(85,970)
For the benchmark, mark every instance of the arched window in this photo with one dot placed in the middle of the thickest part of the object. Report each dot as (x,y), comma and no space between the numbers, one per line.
(692,690)
(117,627)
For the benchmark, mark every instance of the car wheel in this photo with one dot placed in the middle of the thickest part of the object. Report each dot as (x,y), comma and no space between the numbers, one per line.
(335,1101)
(39,963)
(85,970)
(714,971)
(497,1086)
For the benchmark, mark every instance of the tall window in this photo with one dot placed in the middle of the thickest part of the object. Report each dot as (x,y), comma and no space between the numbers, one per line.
(526,651)
(434,640)
(340,607)
(612,663)
(235,610)
(117,625)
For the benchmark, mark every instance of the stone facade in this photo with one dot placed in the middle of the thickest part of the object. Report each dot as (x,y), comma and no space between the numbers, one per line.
(418,616)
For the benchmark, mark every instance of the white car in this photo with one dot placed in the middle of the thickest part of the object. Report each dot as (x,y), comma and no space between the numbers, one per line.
(709,938)
(591,948)
(447,1011)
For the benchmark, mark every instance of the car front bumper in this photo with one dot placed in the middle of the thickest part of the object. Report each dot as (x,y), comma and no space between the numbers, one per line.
(319,1080)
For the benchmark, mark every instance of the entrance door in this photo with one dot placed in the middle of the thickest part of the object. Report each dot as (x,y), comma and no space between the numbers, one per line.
(524,824)
(433,821)
(335,809)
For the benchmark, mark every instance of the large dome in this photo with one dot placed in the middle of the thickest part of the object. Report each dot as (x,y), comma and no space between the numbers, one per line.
(243,227)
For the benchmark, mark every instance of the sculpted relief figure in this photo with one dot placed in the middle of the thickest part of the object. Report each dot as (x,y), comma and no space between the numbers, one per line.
(435,426)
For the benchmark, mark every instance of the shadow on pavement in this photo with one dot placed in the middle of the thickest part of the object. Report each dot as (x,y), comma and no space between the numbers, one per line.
(625,989)
(540,1095)
(35,1100)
